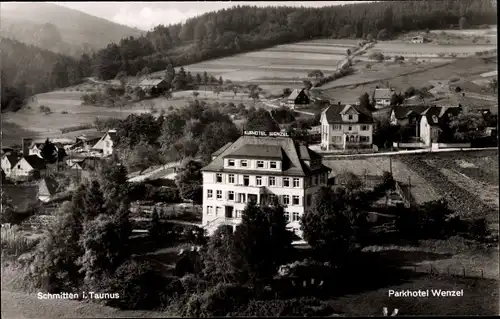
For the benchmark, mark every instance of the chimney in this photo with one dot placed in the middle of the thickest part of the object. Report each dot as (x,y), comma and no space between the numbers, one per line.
(26,146)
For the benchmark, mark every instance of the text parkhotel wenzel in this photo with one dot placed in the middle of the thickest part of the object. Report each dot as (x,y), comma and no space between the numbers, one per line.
(425,293)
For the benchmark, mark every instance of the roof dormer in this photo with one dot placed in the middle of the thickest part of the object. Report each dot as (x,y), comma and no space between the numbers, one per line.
(349,114)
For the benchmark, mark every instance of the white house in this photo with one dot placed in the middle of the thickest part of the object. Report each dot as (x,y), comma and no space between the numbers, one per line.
(8,163)
(432,119)
(27,166)
(382,97)
(263,169)
(346,126)
(105,144)
(417,39)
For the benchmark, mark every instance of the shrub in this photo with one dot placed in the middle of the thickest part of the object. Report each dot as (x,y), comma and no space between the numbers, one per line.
(289,307)
(368,66)
(478,229)
(377,56)
(64,112)
(217,301)
(45,109)
(138,285)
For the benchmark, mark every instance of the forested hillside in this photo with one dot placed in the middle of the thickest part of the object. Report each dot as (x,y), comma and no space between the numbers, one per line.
(230,31)
(27,70)
(59,29)
(240,29)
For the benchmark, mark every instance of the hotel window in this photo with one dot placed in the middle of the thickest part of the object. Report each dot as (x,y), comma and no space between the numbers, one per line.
(218,178)
(295,216)
(210,193)
(272,165)
(322,178)
(309,199)
(238,213)
(364,127)
(287,216)
(350,117)
(350,128)
(219,194)
(336,139)
(258,180)
(337,127)
(230,163)
(242,198)
(295,182)
(364,138)
(286,199)
(260,164)
(272,181)
(295,200)
(231,178)
(246,180)
(315,179)
(286,182)
(218,211)
(209,210)
(230,195)
(243,163)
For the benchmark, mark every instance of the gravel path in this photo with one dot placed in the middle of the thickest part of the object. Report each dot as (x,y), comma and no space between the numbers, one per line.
(19,306)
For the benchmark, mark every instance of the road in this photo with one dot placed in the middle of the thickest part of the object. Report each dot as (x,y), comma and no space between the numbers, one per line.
(267,102)
(143,177)
(21,305)
(330,155)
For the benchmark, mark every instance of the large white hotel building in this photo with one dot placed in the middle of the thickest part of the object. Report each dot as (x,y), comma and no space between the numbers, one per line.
(261,167)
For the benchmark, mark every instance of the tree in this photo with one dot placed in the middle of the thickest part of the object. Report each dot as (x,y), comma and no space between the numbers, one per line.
(104,250)
(424,93)
(219,259)
(410,91)
(235,90)
(221,82)
(364,101)
(49,152)
(254,95)
(396,99)
(215,135)
(462,23)
(169,74)
(348,53)
(287,92)
(307,84)
(262,242)
(217,90)
(190,182)
(335,227)
(467,127)
(155,226)
(315,74)
(261,120)
(197,79)
(167,94)
(493,85)
(195,94)
(122,77)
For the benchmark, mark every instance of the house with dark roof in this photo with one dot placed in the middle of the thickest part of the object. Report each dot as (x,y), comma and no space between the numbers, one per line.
(154,86)
(433,120)
(105,144)
(47,188)
(84,143)
(28,167)
(346,126)
(298,97)
(265,168)
(9,161)
(408,117)
(382,97)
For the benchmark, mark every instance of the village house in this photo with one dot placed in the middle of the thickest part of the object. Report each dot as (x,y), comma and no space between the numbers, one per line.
(154,86)
(433,120)
(82,168)
(28,167)
(297,98)
(9,160)
(105,144)
(417,39)
(346,126)
(382,97)
(263,169)
(408,117)
(47,188)
(84,143)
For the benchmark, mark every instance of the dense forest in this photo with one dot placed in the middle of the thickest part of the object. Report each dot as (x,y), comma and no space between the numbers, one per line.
(239,29)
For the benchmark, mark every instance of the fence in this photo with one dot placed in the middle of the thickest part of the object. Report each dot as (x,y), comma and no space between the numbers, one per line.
(460,271)
(405,197)
(408,145)
(450,145)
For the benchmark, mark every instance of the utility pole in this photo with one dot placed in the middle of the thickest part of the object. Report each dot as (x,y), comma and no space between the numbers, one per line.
(390,164)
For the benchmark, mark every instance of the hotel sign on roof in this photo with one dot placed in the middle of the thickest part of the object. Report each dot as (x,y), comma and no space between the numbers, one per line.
(266,134)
